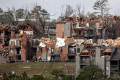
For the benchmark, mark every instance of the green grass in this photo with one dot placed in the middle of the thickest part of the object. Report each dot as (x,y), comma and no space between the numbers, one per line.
(43,68)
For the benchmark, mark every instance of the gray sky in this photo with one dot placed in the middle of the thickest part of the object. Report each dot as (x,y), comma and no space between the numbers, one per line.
(54,6)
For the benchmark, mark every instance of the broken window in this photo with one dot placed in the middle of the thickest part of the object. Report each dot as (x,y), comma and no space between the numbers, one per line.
(1,33)
(78,50)
(33,53)
(61,50)
(18,50)
(11,50)
(79,32)
(1,40)
(10,58)
(52,27)
(71,50)
(19,57)
(7,37)
(18,42)
(46,27)
(39,50)
(35,42)
(114,63)
(52,35)
(74,50)
(52,50)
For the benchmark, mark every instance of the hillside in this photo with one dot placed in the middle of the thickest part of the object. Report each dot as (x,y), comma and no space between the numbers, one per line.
(43,68)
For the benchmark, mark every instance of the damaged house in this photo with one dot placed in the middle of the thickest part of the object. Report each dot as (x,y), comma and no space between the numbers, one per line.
(19,41)
(76,28)
(19,44)
(91,28)
(105,54)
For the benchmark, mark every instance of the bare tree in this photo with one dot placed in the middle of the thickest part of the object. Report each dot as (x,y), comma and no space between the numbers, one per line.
(41,16)
(80,11)
(40,20)
(117,12)
(68,11)
(91,15)
(62,7)
(1,11)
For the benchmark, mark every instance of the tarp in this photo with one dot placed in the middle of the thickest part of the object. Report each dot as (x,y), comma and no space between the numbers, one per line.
(60,42)
(42,44)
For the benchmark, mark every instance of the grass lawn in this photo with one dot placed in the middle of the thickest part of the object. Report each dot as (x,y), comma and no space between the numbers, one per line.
(31,68)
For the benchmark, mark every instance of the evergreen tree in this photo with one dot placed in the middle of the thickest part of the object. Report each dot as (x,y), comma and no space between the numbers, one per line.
(91,72)
(57,73)
(101,5)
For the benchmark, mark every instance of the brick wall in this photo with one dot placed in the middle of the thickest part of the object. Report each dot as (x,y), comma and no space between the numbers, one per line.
(60,30)
(23,54)
(64,55)
(23,50)
(12,34)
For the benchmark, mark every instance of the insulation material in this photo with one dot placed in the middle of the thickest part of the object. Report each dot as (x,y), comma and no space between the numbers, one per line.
(48,58)
(60,42)
(77,26)
(42,44)
(109,41)
(118,38)
(65,37)
(29,32)
(90,41)
(87,24)
(81,41)
(21,32)
(117,41)
(105,44)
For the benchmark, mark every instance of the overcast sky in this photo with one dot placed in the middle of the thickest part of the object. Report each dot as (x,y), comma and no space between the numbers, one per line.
(54,6)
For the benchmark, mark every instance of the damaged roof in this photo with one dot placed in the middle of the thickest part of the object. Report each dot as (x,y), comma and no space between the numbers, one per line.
(24,27)
(116,55)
